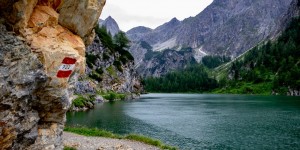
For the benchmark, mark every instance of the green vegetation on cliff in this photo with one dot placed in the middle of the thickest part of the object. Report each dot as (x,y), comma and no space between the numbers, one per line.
(214,61)
(83,101)
(116,48)
(111,96)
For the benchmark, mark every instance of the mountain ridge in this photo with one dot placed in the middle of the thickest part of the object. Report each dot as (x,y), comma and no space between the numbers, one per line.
(233,16)
(226,27)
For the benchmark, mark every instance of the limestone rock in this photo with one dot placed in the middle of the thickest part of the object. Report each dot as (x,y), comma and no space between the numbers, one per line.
(53,43)
(73,18)
(16,12)
(33,46)
(21,76)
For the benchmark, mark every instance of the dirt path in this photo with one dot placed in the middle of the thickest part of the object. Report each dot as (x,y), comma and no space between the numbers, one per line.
(99,143)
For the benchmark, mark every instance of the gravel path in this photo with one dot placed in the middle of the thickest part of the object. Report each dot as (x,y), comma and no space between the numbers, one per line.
(99,143)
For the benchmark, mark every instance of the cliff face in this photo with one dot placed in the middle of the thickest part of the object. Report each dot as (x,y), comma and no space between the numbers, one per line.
(108,70)
(160,63)
(42,54)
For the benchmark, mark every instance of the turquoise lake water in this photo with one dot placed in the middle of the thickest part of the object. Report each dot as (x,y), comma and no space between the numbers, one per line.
(199,121)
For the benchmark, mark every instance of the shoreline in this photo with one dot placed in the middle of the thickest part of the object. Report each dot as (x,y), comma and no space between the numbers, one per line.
(87,102)
(80,142)
(74,136)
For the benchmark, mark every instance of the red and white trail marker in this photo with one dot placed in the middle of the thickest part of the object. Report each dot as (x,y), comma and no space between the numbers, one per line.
(67,67)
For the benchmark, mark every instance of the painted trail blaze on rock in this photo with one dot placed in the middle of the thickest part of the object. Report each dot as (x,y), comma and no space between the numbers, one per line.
(66,69)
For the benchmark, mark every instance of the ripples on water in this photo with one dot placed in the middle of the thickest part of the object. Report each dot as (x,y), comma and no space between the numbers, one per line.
(194,121)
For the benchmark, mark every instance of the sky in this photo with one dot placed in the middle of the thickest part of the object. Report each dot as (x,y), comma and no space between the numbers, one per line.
(151,13)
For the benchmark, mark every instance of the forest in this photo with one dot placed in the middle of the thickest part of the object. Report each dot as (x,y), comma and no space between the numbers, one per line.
(191,79)
(276,63)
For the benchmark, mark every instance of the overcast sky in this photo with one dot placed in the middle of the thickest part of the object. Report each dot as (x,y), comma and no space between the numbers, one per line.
(151,13)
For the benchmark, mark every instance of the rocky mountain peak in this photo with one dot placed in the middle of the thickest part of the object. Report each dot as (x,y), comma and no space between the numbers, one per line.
(169,25)
(174,20)
(137,32)
(139,29)
(111,25)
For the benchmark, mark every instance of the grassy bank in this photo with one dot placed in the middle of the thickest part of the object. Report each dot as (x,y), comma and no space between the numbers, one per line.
(83,100)
(103,133)
(112,96)
(69,148)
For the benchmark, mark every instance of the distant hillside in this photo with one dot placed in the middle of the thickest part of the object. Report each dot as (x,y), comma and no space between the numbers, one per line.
(273,67)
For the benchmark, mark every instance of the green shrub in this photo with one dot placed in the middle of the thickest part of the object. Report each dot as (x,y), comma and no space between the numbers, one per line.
(111,71)
(79,101)
(105,56)
(99,70)
(121,96)
(111,96)
(94,75)
(127,55)
(91,58)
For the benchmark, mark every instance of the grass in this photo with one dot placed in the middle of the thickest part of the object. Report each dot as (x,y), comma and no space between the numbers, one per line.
(103,133)
(150,141)
(69,148)
(111,71)
(79,102)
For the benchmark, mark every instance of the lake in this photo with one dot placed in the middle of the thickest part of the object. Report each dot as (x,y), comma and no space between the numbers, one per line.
(200,121)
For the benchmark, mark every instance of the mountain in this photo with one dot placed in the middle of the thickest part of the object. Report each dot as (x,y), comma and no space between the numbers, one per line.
(161,37)
(271,67)
(226,27)
(111,25)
